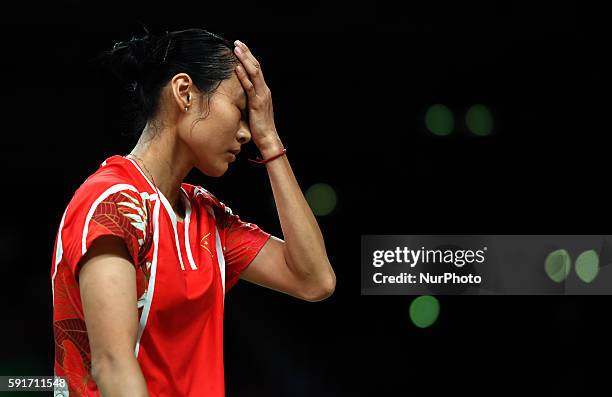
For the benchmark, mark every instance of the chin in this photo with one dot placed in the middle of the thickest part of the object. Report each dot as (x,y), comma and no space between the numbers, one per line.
(214,172)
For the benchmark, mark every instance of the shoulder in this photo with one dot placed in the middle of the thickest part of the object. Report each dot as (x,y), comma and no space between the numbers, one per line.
(111,181)
(200,195)
(207,200)
(109,202)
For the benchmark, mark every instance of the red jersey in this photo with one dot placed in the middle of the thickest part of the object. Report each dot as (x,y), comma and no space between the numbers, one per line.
(183,268)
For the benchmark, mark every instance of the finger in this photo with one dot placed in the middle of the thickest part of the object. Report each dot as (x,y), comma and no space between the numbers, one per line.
(248,86)
(248,53)
(251,65)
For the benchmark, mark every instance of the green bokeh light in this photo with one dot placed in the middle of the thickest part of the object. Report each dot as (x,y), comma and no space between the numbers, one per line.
(587,266)
(439,120)
(424,311)
(479,120)
(322,199)
(557,265)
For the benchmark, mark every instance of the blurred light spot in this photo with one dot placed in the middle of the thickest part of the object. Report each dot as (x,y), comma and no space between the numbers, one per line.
(439,120)
(587,266)
(322,199)
(557,265)
(424,311)
(479,120)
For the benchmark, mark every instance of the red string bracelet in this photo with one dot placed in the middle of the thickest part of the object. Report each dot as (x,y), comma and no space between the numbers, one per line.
(262,161)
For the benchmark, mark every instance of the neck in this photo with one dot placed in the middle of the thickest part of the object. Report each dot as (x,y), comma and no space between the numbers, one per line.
(166,161)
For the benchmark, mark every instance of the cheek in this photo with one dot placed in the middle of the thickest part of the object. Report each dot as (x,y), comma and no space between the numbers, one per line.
(214,136)
(231,118)
(216,128)
(225,114)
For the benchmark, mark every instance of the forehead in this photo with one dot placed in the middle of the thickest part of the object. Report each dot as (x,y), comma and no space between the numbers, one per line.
(232,88)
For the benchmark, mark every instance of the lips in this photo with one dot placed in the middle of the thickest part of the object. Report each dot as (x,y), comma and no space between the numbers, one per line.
(233,153)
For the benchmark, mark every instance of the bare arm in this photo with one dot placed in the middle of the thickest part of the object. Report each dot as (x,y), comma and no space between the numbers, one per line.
(299,265)
(107,281)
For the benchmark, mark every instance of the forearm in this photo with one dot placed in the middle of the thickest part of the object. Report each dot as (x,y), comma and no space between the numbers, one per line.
(304,244)
(304,248)
(120,377)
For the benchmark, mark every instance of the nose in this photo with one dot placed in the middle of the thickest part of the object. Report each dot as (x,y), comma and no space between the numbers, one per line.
(244,134)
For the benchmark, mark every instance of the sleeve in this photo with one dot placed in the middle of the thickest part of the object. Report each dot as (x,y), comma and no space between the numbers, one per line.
(118,211)
(242,242)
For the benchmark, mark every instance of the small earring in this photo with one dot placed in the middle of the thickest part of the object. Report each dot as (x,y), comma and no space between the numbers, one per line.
(186,108)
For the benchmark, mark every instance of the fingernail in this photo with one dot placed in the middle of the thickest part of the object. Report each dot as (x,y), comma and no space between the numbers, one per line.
(238,43)
(238,50)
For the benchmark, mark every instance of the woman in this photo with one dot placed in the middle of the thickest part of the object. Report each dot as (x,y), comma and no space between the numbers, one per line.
(142,260)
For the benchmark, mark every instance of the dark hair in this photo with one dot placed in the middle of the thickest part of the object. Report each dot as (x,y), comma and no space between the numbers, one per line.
(144,65)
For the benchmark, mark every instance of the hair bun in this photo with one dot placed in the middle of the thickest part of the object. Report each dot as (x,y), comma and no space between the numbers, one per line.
(128,59)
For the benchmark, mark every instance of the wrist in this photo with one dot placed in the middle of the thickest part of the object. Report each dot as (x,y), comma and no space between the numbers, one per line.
(271,147)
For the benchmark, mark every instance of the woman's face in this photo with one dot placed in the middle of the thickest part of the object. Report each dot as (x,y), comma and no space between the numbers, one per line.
(213,129)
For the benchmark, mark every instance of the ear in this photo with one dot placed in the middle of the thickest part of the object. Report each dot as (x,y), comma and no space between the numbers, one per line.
(182,91)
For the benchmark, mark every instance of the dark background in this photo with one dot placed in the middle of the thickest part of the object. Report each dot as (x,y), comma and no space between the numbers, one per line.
(351,85)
